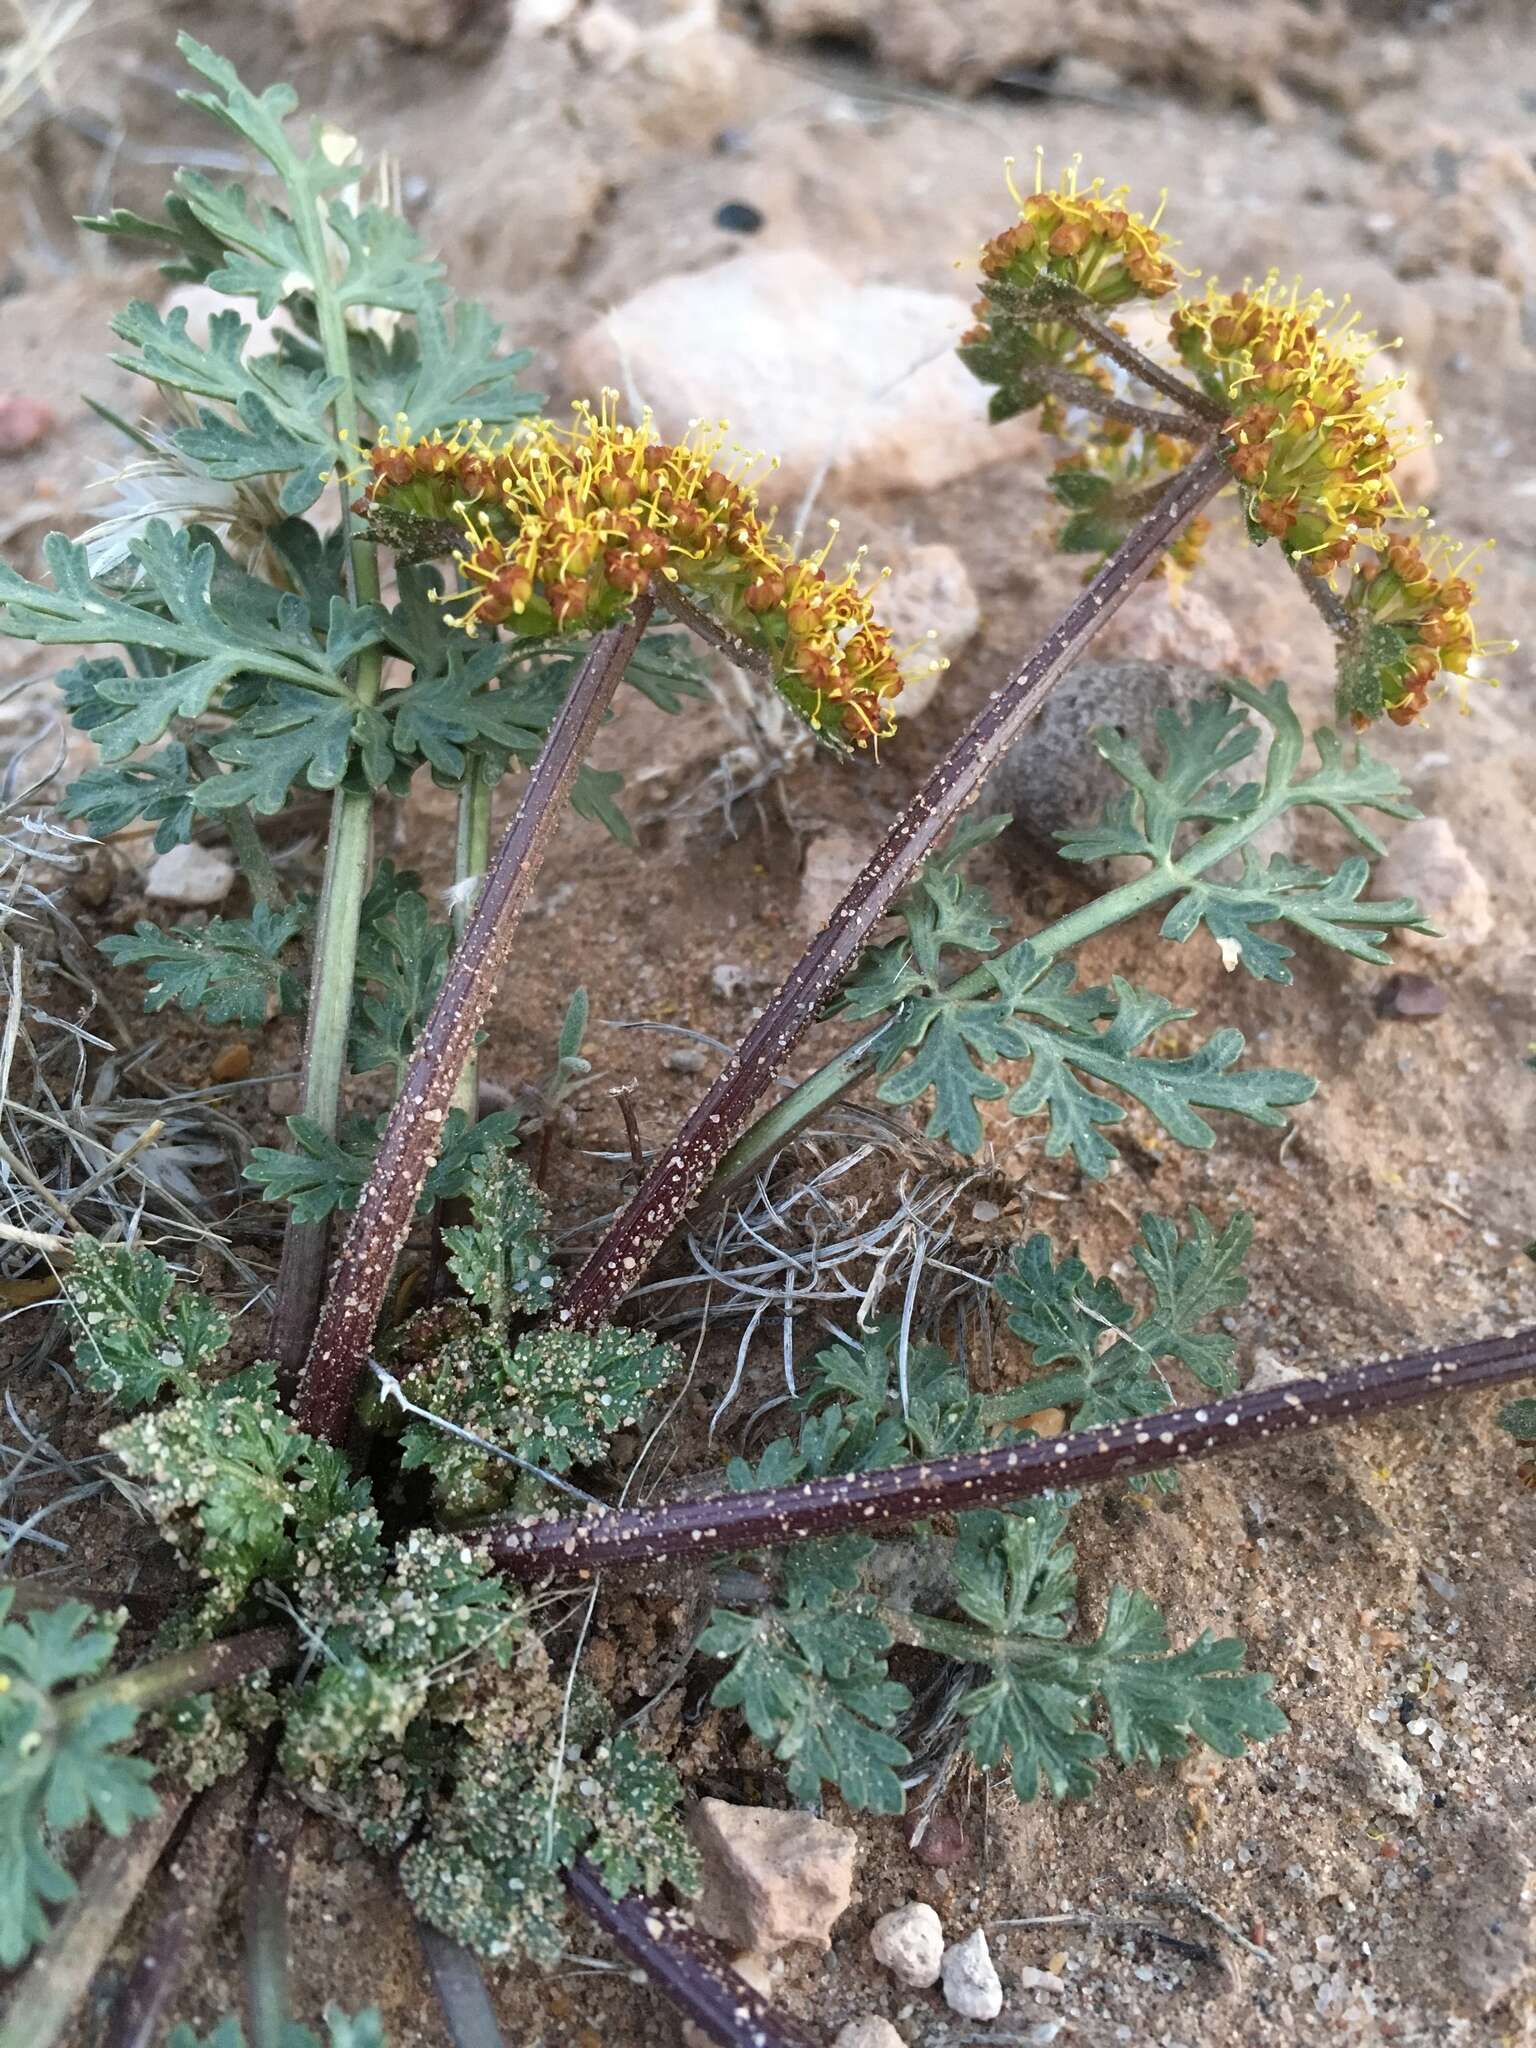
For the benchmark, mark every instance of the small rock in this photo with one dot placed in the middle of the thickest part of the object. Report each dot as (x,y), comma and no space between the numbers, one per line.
(1427,862)
(96,880)
(910,1943)
(191,875)
(738,217)
(730,979)
(607,39)
(539,17)
(1047,1421)
(971,1984)
(758,1971)
(832,862)
(770,1878)
(232,1064)
(691,77)
(941,1844)
(1477,320)
(1085,78)
(1179,626)
(686,1059)
(24,423)
(285,1096)
(869,2033)
(1270,1371)
(1417,472)
(1411,996)
(1386,1776)
(929,605)
(858,385)
(1040,1980)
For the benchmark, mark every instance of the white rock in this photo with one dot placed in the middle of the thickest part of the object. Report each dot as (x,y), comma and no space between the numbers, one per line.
(419,24)
(607,39)
(770,1878)
(869,2033)
(1390,1781)
(928,603)
(729,979)
(1429,863)
(971,1984)
(854,385)
(1417,474)
(1270,1370)
(191,875)
(910,1943)
(1040,1980)
(759,1973)
(539,17)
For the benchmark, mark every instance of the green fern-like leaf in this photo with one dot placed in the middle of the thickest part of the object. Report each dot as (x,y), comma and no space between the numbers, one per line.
(60,1761)
(134,1334)
(1108,1359)
(230,968)
(501,1257)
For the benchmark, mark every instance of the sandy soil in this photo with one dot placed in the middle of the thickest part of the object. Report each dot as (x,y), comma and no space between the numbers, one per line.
(1384,1578)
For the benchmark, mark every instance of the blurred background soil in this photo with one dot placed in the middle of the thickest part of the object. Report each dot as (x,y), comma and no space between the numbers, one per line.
(769,213)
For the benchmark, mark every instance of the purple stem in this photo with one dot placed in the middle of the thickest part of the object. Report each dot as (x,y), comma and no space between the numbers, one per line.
(687,1166)
(204,1866)
(694,1973)
(414,1133)
(871,1501)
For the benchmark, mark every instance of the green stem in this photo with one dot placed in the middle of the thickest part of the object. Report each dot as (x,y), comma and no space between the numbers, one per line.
(206,1667)
(963,1644)
(472,853)
(302,1274)
(240,827)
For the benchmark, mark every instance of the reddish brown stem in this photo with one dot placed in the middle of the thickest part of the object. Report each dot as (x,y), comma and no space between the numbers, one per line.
(1125,352)
(871,1501)
(414,1132)
(681,1172)
(692,1972)
(1090,397)
(201,1871)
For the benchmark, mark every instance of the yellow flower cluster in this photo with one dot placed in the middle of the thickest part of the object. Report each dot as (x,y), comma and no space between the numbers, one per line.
(1311,447)
(1410,608)
(1083,244)
(562,527)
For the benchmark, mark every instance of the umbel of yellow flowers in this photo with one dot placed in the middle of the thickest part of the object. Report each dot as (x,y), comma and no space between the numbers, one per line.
(560,528)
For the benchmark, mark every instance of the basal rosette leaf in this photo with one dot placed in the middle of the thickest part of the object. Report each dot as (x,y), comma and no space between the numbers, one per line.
(60,1764)
(232,968)
(134,1333)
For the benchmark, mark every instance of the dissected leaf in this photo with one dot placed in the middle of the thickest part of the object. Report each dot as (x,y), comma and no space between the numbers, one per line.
(1109,1362)
(402,956)
(110,798)
(230,968)
(175,614)
(812,1685)
(501,1257)
(134,1333)
(59,1760)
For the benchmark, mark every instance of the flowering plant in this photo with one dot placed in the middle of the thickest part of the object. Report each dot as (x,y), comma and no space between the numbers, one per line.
(378,1520)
